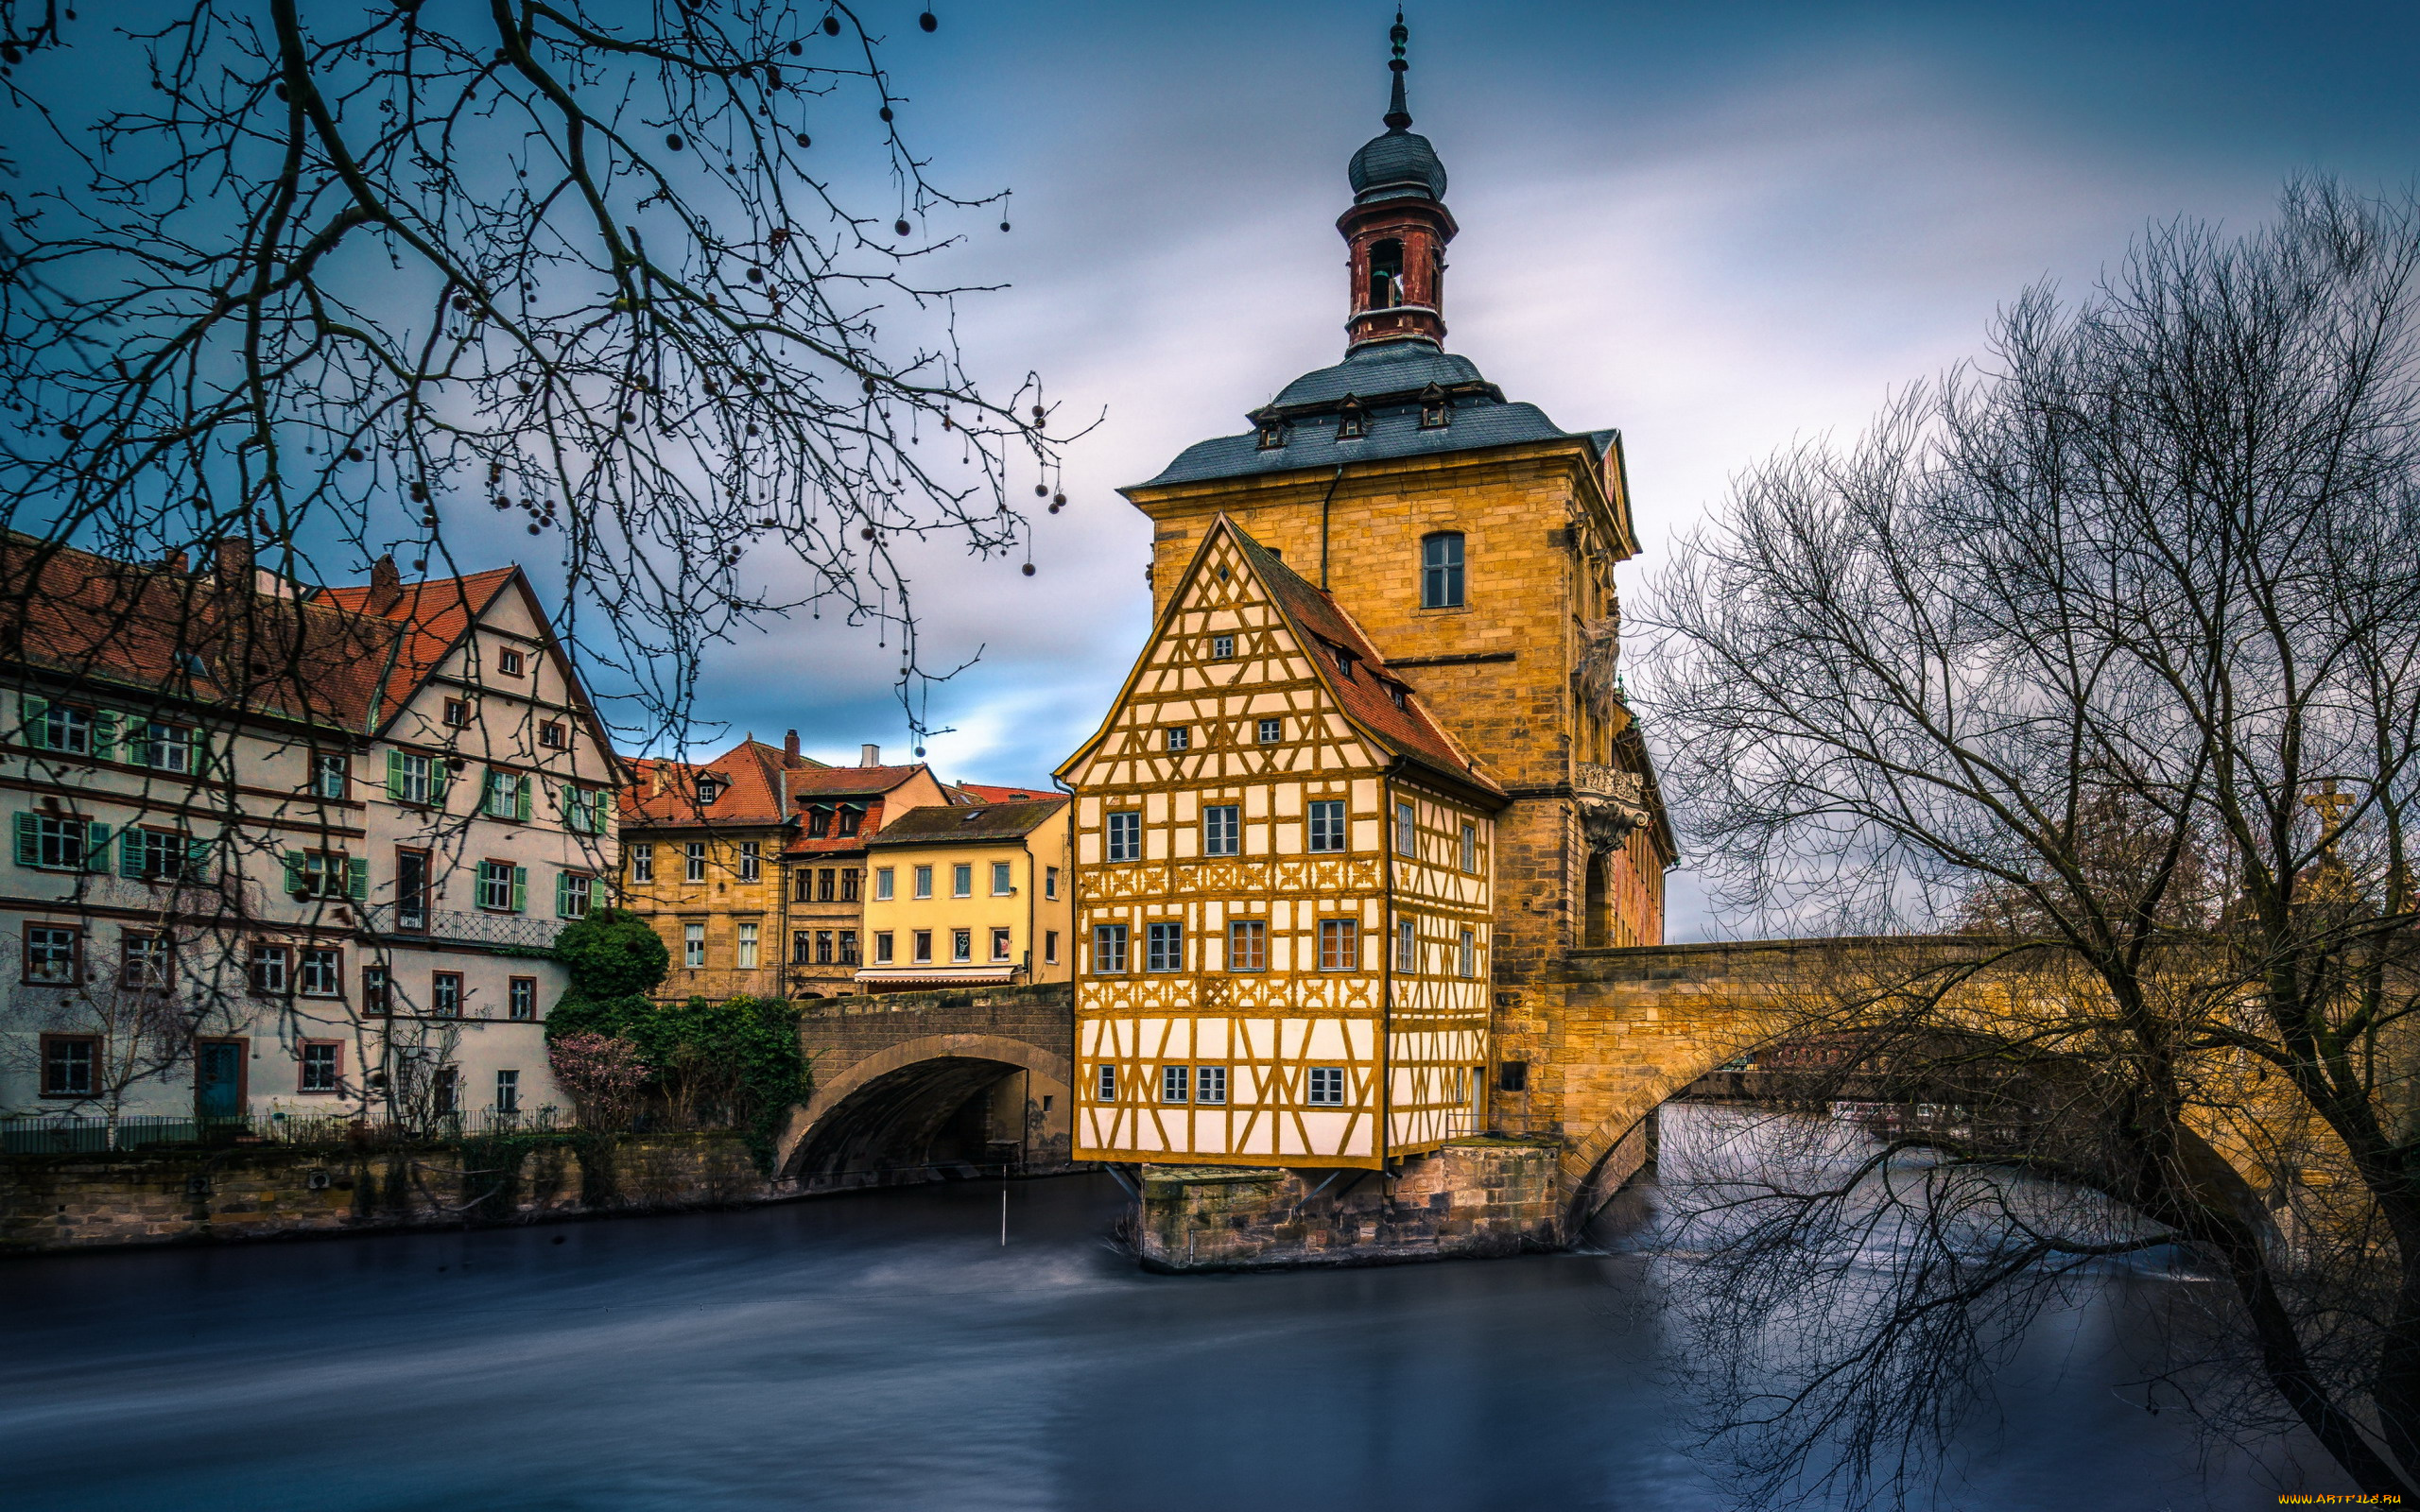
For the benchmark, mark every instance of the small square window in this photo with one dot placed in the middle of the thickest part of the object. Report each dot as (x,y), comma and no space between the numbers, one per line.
(322,1059)
(1173,1083)
(323,974)
(458,711)
(1512,1076)
(145,962)
(51,952)
(1210,1084)
(1222,647)
(552,736)
(1327,1088)
(69,1063)
(330,773)
(1180,738)
(1272,732)
(510,662)
(500,887)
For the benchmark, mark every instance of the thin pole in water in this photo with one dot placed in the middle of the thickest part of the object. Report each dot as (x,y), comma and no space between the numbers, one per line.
(1004,1215)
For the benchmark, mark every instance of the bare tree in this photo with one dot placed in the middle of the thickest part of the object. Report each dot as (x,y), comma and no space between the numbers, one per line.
(2107,652)
(338,275)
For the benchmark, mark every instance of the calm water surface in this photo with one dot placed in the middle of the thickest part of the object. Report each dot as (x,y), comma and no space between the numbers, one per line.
(884,1351)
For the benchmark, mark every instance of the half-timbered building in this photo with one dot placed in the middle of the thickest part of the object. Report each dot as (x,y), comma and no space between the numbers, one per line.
(1284,915)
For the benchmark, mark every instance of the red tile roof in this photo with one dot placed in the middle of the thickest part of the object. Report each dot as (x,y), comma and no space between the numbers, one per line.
(803,845)
(844,781)
(750,776)
(988,793)
(434,615)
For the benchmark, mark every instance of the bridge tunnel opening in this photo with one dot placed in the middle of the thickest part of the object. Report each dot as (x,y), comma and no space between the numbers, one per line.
(951,1118)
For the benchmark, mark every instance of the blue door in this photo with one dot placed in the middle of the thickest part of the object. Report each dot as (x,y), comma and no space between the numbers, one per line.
(219,1078)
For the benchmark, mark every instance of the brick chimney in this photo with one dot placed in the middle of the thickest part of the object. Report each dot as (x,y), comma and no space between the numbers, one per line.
(869,756)
(386,586)
(232,564)
(789,745)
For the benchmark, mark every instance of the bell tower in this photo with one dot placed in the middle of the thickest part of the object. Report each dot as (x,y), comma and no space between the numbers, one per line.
(1397,227)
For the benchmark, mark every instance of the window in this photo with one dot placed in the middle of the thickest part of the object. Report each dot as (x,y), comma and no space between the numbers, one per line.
(1247,945)
(377,1001)
(802,885)
(510,663)
(1407,830)
(506,796)
(1327,1087)
(694,854)
(1436,411)
(709,789)
(1271,427)
(999,944)
(552,736)
(1051,883)
(642,863)
(1441,571)
(1327,824)
(331,774)
(1339,945)
(1352,421)
(323,974)
(55,843)
(823,886)
(1126,836)
(922,940)
(1386,275)
(1105,1083)
(521,998)
(962,944)
(1406,945)
(411,889)
(458,713)
(819,823)
(1210,1084)
(320,1059)
(325,874)
(1000,880)
(847,819)
(61,727)
(1049,947)
(1172,1083)
(1222,647)
(508,1091)
(446,1091)
(163,748)
(752,860)
(1470,848)
(801,947)
(881,947)
(1109,949)
(848,947)
(1470,953)
(68,1065)
(1272,732)
(271,966)
(143,961)
(161,855)
(962,880)
(1180,738)
(445,994)
(924,882)
(693,946)
(413,779)
(586,810)
(882,885)
(1164,949)
(744,948)
(1221,829)
(502,887)
(575,894)
(51,952)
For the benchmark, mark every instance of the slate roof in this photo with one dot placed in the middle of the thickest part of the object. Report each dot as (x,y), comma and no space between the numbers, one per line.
(1387,378)
(957,823)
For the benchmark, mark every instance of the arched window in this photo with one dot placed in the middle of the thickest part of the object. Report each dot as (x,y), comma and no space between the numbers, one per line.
(1386,275)
(1440,570)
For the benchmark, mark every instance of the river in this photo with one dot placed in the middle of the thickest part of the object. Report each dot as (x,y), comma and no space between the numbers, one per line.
(886,1351)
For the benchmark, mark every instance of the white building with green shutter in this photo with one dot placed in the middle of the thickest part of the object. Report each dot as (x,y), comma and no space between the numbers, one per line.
(286,850)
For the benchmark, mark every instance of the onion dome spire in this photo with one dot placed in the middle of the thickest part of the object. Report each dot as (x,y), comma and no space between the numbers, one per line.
(1398,226)
(1398,116)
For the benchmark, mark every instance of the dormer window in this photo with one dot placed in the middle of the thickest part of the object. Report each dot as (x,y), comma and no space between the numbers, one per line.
(708,790)
(1352,420)
(1344,661)
(819,823)
(1271,427)
(850,818)
(1395,693)
(1436,411)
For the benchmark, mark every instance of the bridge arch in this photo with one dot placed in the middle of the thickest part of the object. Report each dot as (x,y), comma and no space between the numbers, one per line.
(903,1111)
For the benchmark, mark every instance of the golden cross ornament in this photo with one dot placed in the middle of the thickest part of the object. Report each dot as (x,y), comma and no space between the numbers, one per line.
(2329,803)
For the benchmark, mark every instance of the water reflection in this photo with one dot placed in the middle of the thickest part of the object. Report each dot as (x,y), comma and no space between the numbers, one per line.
(884,1351)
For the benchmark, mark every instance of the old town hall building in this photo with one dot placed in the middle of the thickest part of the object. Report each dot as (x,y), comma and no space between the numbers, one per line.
(1374,776)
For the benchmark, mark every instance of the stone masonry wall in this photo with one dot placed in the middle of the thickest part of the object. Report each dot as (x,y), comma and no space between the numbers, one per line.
(1475,1197)
(262,1191)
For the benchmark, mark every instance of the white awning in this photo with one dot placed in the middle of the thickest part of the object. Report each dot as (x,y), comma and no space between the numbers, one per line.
(938,975)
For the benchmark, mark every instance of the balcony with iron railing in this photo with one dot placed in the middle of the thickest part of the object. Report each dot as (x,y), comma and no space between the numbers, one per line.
(454,926)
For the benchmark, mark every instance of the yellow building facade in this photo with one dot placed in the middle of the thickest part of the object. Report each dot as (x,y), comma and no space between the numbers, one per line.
(1285,922)
(703,848)
(975,892)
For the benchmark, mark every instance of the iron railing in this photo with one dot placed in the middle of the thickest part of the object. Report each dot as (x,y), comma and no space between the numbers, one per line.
(468,928)
(51,1134)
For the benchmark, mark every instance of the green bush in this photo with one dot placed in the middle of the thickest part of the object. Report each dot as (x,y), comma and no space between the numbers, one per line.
(611,955)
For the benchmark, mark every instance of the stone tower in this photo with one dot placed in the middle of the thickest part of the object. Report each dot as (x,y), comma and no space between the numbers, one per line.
(1474,542)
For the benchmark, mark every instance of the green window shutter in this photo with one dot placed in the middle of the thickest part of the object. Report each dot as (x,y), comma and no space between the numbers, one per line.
(523,795)
(357,880)
(563,895)
(521,889)
(105,735)
(31,710)
(440,776)
(96,846)
(295,880)
(129,853)
(29,844)
(487,791)
(197,860)
(395,775)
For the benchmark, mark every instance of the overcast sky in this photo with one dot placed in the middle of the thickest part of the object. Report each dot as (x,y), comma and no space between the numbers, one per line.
(1715,226)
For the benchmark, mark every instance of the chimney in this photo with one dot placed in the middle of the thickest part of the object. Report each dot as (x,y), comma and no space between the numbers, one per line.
(177,560)
(386,586)
(789,745)
(869,755)
(232,564)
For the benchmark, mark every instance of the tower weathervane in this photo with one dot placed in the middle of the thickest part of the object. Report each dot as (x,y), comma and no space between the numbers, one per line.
(1398,117)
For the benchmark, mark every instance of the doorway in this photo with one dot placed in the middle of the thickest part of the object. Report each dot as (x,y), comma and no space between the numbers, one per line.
(218,1079)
